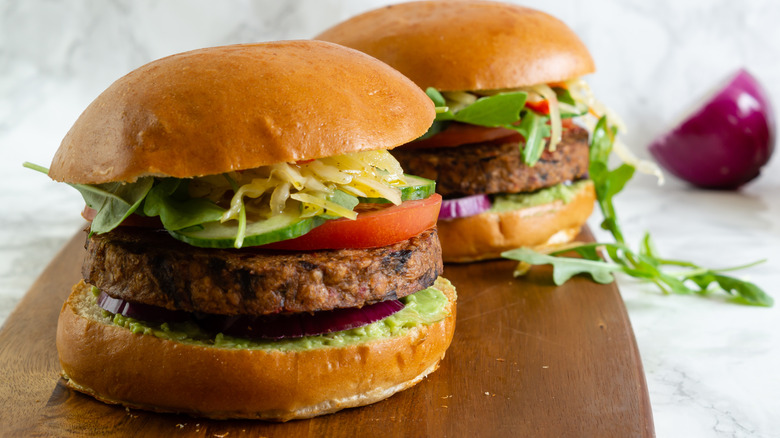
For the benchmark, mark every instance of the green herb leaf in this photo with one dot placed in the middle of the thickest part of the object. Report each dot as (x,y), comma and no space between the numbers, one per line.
(499,110)
(493,111)
(744,292)
(534,129)
(566,267)
(646,264)
(169,200)
(564,96)
(113,202)
(124,199)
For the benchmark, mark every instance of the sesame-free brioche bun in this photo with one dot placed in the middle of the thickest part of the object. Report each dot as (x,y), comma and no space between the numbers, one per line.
(237,107)
(115,365)
(467,45)
(488,234)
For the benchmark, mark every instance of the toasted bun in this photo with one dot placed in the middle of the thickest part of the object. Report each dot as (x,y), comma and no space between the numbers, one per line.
(487,235)
(142,371)
(467,45)
(238,107)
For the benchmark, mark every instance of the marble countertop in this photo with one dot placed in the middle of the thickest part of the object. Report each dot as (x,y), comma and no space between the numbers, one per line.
(711,366)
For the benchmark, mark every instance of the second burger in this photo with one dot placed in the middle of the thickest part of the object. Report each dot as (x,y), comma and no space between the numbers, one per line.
(507,156)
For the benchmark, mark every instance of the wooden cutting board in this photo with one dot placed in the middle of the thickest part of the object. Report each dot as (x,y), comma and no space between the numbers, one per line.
(528,359)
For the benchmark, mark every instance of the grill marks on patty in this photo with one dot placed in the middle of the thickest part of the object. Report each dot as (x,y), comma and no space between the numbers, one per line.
(495,167)
(150,267)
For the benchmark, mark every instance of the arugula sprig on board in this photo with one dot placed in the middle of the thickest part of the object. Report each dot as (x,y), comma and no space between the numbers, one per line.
(645,263)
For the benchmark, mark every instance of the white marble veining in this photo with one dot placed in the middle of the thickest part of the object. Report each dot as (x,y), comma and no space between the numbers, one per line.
(711,367)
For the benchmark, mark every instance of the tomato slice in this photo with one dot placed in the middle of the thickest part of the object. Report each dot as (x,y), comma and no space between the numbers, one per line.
(383,225)
(458,134)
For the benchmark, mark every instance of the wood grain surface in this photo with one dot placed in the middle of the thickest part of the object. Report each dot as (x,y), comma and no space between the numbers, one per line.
(528,359)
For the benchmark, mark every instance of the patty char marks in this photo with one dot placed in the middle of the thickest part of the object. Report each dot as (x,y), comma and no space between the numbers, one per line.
(150,267)
(491,168)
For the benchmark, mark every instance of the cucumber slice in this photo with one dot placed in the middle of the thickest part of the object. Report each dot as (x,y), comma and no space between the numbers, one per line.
(415,188)
(284,226)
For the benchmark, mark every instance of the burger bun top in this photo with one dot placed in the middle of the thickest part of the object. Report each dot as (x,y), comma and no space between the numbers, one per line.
(229,108)
(467,45)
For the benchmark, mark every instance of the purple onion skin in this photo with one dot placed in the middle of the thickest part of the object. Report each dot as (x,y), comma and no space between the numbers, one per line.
(725,143)
(463,207)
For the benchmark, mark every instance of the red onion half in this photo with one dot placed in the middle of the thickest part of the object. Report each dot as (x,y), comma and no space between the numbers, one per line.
(725,142)
(463,207)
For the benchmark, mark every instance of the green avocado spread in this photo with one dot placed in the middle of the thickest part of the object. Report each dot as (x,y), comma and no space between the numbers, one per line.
(424,307)
(516,201)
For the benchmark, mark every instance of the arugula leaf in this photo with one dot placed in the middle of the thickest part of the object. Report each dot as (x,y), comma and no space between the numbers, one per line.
(493,111)
(123,201)
(745,292)
(646,263)
(113,202)
(534,129)
(607,183)
(566,267)
(564,96)
(169,200)
(499,110)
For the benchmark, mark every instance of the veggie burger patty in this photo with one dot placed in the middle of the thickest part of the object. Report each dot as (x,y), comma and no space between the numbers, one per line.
(149,267)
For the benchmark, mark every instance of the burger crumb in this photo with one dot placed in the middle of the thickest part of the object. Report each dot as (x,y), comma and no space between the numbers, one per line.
(180,426)
(487,393)
(500,360)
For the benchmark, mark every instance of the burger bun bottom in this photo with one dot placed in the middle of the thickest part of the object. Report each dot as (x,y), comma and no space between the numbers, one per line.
(488,234)
(116,366)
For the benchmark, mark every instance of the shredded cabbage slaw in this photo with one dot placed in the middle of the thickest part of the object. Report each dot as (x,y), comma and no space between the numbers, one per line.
(270,190)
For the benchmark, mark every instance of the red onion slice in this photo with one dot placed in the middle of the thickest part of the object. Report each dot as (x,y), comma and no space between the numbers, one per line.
(275,327)
(725,142)
(464,207)
(144,312)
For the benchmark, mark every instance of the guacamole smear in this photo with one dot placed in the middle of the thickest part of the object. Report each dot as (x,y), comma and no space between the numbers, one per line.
(516,201)
(424,307)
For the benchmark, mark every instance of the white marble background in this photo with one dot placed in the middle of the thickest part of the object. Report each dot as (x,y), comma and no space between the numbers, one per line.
(712,367)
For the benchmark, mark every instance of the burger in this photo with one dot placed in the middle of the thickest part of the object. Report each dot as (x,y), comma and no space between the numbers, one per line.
(509,147)
(254,251)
